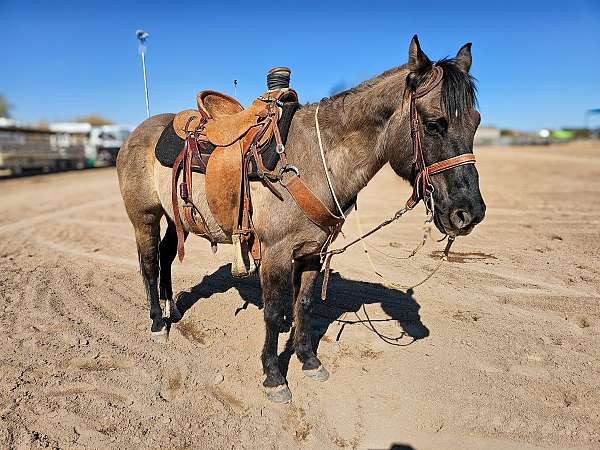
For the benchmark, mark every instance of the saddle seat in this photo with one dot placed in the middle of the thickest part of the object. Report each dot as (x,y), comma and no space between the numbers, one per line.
(216,104)
(226,119)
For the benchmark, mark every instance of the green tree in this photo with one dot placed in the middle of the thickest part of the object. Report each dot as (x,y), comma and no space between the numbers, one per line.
(5,107)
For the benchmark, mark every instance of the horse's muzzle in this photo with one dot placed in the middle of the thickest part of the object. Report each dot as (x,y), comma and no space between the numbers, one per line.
(459,221)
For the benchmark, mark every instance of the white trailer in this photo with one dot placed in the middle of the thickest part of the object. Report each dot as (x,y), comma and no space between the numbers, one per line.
(105,142)
(25,148)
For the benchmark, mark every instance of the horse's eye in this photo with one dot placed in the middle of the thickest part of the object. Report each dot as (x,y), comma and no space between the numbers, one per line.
(435,126)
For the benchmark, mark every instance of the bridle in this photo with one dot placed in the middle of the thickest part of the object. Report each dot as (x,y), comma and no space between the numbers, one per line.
(422,186)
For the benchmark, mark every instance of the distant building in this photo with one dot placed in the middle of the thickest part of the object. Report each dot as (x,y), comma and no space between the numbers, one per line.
(487,136)
(6,122)
(101,143)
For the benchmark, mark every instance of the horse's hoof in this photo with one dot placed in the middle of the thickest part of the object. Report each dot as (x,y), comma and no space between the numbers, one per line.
(279,394)
(162,336)
(175,315)
(318,374)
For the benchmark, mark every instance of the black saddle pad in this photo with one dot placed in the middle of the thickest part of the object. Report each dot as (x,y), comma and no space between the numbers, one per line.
(169,144)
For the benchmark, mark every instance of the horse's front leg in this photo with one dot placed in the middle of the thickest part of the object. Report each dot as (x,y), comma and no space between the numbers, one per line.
(306,271)
(275,273)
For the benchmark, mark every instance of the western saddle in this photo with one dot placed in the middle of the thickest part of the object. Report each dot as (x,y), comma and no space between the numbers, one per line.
(238,138)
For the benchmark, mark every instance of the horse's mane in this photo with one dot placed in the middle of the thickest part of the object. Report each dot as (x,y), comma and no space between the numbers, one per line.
(459,90)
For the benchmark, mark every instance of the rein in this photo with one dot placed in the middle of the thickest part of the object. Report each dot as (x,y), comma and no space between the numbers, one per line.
(422,187)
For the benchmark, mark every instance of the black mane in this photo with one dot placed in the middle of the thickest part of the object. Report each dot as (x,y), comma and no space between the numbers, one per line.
(459,90)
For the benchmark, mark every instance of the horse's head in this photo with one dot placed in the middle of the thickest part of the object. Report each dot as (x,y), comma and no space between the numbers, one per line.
(447,120)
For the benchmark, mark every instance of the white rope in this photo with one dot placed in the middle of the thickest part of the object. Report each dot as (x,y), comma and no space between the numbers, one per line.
(337,203)
(386,282)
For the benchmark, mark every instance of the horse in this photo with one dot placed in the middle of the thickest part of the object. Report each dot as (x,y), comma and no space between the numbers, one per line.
(361,130)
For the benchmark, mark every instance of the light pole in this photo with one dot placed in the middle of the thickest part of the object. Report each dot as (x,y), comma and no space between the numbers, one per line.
(142,35)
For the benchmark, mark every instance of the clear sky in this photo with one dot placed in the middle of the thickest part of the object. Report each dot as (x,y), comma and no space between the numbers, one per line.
(537,62)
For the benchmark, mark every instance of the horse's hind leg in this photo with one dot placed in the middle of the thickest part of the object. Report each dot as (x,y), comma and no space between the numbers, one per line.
(147,236)
(306,271)
(275,271)
(137,179)
(168,251)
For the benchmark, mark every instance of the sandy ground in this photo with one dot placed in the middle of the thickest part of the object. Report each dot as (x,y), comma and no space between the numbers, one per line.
(500,349)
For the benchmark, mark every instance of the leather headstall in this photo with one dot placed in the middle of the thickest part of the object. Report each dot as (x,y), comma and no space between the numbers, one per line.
(422,187)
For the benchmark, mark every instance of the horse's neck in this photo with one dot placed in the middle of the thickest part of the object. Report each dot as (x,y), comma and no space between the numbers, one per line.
(351,130)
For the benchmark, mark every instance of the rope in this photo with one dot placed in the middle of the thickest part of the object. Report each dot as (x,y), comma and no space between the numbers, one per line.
(391,284)
(337,203)
(364,245)
(387,339)
(414,251)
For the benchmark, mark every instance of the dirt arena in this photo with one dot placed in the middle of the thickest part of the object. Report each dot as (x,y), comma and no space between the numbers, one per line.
(500,349)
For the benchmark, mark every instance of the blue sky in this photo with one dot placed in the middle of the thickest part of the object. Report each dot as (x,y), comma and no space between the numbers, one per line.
(537,62)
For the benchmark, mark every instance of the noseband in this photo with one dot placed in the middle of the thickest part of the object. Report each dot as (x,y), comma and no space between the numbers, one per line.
(422,187)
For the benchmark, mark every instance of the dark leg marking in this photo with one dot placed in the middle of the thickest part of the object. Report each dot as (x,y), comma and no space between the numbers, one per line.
(306,271)
(147,237)
(274,276)
(168,252)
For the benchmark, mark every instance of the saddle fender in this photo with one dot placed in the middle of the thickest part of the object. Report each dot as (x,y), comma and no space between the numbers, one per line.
(223,185)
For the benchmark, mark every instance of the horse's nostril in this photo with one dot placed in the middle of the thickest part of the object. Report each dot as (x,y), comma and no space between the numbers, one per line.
(460,218)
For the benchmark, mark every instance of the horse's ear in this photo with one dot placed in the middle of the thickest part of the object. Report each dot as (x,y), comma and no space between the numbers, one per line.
(417,59)
(463,58)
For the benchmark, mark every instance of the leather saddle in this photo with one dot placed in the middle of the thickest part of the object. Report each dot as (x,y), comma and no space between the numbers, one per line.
(238,136)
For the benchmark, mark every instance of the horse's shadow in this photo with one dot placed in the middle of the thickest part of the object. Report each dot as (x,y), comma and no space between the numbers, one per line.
(344,305)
